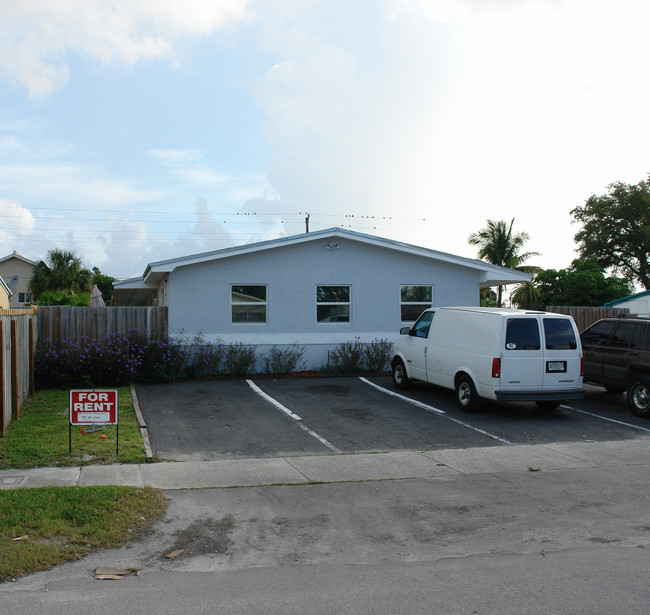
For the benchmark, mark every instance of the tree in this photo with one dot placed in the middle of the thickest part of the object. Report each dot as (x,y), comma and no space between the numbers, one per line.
(63,272)
(583,283)
(616,230)
(499,246)
(526,296)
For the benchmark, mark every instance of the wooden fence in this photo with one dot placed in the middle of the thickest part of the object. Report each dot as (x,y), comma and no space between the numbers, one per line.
(17,342)
(585,316)
(72,323)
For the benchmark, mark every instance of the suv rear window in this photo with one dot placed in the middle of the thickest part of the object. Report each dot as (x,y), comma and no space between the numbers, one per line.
(522,334)
(559,334)
(627,335)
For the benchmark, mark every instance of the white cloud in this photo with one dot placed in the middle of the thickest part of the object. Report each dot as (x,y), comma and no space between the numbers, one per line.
(37,35)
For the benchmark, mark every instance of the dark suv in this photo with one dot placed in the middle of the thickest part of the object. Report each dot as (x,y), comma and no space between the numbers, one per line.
(617,356)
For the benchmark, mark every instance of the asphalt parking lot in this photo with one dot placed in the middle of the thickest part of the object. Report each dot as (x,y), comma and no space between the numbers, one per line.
(312,416)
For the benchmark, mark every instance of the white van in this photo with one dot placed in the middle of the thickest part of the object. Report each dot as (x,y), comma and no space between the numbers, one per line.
(492,353)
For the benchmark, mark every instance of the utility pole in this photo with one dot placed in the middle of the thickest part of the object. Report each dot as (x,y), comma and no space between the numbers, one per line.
(307,224)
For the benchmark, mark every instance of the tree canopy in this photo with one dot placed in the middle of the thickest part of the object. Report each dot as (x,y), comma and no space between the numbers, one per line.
(583,283)
(500,246)
(616,230)
(62,273)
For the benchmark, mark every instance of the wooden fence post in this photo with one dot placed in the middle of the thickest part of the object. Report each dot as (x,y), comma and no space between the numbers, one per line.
(31,356)
(14,369)
(2,378)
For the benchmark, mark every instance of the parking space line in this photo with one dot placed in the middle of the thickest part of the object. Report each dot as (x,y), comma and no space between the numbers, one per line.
(295,417)
(434,410)
(598,416)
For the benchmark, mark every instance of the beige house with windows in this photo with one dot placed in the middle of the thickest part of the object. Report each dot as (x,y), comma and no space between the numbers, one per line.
(4,295)
(16,271)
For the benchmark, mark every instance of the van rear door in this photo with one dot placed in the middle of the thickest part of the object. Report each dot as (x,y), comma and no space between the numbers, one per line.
(520,358)
(561,368)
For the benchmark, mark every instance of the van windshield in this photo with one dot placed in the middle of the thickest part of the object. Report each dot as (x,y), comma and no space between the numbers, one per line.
(559,334)
(522,334)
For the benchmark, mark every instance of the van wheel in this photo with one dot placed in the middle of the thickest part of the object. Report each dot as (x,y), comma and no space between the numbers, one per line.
(548,405)
(400,379)
(466,396)
(638,397)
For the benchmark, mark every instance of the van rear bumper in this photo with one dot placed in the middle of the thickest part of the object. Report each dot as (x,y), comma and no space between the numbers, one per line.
(539,395)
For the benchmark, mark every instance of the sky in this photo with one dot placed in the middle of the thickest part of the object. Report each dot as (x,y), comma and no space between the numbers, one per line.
(136,131)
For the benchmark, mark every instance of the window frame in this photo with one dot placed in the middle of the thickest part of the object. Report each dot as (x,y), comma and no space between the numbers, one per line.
(347,303)
(265,303)
(424,304)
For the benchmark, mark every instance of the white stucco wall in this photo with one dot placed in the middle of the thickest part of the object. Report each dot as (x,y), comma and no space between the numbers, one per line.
(199,295)
(639,306)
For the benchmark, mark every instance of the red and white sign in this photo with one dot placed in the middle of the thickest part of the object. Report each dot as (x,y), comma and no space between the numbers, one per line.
(91,407)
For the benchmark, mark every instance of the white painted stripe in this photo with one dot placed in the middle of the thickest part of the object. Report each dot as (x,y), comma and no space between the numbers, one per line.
(607,419)
(413,402)
(272,401)
(294,416)
(434,410)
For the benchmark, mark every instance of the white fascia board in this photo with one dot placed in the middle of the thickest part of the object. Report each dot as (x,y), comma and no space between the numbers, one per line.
(132,283)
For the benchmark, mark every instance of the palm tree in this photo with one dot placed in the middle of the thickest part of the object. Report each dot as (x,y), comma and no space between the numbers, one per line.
(499,246)
(63,271)
(526,296)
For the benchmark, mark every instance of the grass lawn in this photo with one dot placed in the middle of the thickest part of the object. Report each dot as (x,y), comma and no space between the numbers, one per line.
(42,527)
(40,436)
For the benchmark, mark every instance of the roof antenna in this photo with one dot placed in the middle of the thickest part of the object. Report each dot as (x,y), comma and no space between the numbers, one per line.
(307,223)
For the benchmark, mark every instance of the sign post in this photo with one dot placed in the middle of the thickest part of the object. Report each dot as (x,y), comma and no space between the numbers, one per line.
(93,407)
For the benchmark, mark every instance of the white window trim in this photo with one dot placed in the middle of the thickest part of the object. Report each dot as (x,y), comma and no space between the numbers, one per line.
(334,303)
(256,303)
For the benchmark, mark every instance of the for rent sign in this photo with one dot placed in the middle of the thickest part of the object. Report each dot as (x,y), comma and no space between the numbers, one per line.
(92,407)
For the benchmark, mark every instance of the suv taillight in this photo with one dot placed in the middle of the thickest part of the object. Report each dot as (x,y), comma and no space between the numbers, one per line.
(496,368)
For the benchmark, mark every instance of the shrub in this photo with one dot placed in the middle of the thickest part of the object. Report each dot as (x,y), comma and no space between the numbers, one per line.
(282,362)
(111,360)
(205,358)
(376,355)
(347,358)
(240,359)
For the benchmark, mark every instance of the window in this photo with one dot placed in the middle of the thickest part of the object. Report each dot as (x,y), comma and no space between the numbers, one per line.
(332,304)
(24,297)
(248,303)
(627,335)
(422,326)
(597,334)
(522,334)
(414,300)
(559,334)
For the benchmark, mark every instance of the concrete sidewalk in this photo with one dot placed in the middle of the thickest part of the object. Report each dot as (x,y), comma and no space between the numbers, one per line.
(339,468)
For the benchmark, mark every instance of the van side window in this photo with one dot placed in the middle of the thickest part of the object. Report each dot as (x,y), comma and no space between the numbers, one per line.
(522,334)
(598,334)
(422,326)
(627,335)
(559,334)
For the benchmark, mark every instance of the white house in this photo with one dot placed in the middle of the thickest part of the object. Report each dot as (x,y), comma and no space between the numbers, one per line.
(638,304)
(316,289)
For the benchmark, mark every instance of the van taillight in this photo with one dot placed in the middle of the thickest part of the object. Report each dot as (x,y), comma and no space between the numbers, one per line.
(496,368)
(582,367)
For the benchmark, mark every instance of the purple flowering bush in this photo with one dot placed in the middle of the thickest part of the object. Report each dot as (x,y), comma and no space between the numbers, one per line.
(205,358)
(113,360)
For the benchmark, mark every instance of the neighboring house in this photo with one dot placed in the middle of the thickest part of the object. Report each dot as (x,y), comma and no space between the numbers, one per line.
(5,294)
(638,304)
(17,271)
(316,289)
